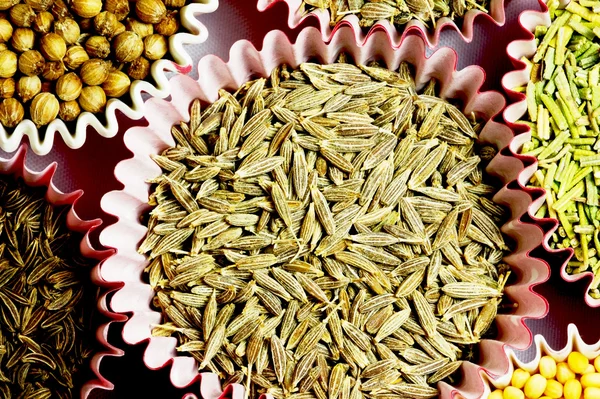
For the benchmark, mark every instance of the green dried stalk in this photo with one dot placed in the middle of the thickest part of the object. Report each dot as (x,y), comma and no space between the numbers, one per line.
(563,101)
(45,332)
(324,231)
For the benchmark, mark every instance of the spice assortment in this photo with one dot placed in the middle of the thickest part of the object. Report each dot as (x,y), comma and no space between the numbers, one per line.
(58,59)
(397,12)
(327,232)
(563,99)
(45,335)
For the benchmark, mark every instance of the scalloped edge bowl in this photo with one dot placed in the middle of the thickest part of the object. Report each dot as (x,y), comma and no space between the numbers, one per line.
(295,18)
(15,165)
(126,266)
(518,107)
(41,142)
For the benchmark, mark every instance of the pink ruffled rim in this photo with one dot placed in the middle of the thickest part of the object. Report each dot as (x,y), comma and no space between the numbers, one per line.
(518,107)
(496,15)
(16,166)
(126,265)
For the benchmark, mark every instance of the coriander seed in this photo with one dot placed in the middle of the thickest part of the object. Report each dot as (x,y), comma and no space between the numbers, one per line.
(94,72)
(22,15)
(6,30)
(86,24)
(53,70)
(140,28)
(75,57)
(118,7)
(53,47)
(92,99)
(28,87)
(68,87)
(127,47)
(87,8)
(106,23)
(68,29)
(11,112)
(23,39)
(39,5)
(117,84)
(6,4)
(3,47)
(139,69)
(150,11)
(69,111)
(7,87)
(97,47)
(155,47)
(175,3)
(43,109)
(8,64)
(43,22)
(169,25)
(31,63)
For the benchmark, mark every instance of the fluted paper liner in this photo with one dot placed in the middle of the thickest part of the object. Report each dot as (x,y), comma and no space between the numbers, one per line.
(517,109)
(295,18)
(16,166)
(42,141)
(574,343)
(126,266)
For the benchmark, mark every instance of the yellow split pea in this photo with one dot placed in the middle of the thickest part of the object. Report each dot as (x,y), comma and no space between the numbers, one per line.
(575,378)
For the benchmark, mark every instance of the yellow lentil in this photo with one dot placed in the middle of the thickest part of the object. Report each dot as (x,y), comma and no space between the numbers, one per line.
(577,362)
(591,393)
(519,378)
(548,367)
(513,393)
(597,364)
(554,389)
(589,369)
(572,389)
(591,380)
(497,394)
(564,373)
(535,386)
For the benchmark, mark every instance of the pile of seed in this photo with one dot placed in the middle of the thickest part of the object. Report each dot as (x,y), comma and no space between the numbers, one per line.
(58,59)
(326,232)
(563,100)
(398,12)
(45,337)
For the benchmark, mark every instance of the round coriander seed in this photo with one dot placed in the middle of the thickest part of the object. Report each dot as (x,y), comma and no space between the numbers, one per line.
(68,29)
(22,15)
(69,111)
(117,84)
(43,22)
(8,64)
(3,47)
(68,87)
(86,8)
(155,47)
(31,63)
(43,109)
(6,4)
(150,11)
(7,87)
(39,5)
(28,87)
(53,70)
(106,23)
(118,7)
(53,47)
(175,3)
(94,72)
(169,25)
(139,69)
(140,28)
(23,39)
(75,57)
(97,47)
(92,99)
(11,112)
(127,47)
(6,30)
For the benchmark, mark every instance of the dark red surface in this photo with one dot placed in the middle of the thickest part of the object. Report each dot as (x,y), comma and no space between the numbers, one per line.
(91,169)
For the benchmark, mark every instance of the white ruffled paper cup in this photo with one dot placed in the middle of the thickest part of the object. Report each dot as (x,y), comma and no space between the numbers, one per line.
(126,266)
(157,85)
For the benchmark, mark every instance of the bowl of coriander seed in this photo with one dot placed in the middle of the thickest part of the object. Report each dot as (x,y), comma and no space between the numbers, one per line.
(67,65)
(322,219)
(397,17)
